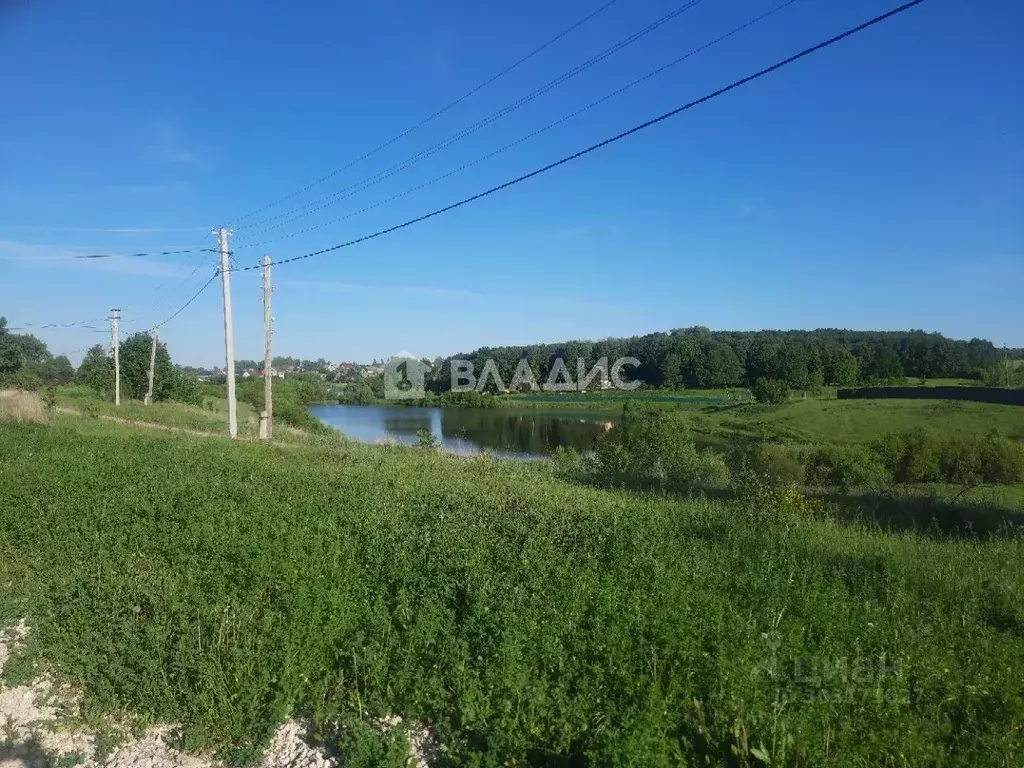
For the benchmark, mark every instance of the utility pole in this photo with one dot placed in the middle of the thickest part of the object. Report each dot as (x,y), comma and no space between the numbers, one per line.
(229,335)
(115,343)
(267,430)
(152,366)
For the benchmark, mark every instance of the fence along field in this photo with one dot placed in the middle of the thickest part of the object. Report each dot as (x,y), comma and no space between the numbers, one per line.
(527,618)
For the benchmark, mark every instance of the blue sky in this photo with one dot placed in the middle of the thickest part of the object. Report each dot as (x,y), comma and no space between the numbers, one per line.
(877,185)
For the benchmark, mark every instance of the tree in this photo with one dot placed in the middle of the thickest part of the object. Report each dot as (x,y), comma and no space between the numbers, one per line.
(839,367)
(96,370)
(57,370)
(169,383)
(773,391)
(717,366)
(672,371)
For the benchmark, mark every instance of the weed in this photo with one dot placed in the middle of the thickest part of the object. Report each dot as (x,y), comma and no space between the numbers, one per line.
(20,406)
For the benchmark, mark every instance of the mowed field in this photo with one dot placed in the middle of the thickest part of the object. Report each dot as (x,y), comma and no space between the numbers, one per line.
(525,619)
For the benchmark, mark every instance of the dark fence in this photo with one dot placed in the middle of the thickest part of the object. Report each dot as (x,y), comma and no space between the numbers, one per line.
(978,394)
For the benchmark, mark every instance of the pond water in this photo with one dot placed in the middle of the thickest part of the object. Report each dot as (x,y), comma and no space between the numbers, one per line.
(520,434)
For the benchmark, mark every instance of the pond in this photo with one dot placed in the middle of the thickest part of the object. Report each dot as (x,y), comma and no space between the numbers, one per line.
(521,434)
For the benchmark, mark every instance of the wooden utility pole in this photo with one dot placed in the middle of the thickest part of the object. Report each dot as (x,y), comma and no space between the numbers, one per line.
(115,343)
(152,366)
(268,376)
(229,335)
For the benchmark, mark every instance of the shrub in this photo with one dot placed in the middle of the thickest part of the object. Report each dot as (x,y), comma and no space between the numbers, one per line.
(774,463)
(427,439)
(470,399)
(357,393)
(49,396)
(960,461)
(917,457)
(910,457)
(844,467)
(567,462)
(23,379)
(652,448)
(773,391)
(1002,460)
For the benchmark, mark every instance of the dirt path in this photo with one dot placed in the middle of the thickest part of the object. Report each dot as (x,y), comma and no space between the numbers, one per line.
(136,423)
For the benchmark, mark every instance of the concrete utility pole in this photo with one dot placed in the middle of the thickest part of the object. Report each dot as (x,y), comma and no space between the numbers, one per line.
(115,343)
(152,366)
(267,426)
(229,334)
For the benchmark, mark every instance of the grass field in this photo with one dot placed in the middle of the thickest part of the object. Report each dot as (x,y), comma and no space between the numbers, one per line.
(210,417)
(848,421)
(527,620)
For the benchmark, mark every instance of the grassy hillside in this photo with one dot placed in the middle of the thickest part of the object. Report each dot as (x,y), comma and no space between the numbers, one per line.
(211,416)
(528,620)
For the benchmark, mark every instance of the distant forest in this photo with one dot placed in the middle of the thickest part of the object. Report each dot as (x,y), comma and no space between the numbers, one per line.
(804,360)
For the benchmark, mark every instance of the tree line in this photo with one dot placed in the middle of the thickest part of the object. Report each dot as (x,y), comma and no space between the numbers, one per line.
(26,363)
(802,360)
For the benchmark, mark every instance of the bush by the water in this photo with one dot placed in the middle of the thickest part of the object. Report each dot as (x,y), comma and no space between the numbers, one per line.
(470,399)
(653,448)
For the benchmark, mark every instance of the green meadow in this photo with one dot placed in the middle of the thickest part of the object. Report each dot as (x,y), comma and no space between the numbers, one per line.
(525,616)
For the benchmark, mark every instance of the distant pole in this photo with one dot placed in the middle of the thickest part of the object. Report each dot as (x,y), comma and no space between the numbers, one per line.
(268,377)
(152,366)
(229,335)
(115,343)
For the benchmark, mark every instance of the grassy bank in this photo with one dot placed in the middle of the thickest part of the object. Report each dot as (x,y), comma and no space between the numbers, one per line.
(528,620)
(211,416)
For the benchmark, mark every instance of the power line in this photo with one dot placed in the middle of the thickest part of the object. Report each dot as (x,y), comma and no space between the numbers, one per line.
(323,202)
(195,296)
(601,144)
(138,255)
(47,326)
(528,136)
(438,113)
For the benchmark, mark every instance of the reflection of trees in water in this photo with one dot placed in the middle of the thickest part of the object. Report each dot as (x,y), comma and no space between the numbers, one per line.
(407,423)
(524,432)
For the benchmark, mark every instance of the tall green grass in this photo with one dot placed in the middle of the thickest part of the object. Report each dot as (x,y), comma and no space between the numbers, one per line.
(529,621)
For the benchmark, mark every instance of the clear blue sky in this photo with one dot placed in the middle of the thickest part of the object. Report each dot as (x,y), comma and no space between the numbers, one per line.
(877,185)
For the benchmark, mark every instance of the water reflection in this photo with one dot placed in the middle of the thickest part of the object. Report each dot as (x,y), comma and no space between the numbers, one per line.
(521,434)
